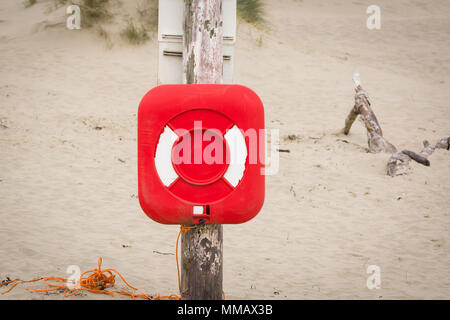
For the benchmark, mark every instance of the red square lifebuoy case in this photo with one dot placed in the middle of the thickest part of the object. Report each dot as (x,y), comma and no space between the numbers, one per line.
(201,154)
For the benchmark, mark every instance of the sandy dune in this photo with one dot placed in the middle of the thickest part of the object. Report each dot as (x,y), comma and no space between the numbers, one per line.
(68,173)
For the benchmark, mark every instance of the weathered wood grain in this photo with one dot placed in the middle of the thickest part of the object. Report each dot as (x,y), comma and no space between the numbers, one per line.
(201,247)
(377,143)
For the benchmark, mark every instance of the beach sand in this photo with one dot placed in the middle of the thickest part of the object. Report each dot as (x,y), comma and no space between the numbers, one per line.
(68,154)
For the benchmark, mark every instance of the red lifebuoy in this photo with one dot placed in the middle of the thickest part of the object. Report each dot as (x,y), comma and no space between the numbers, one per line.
(193,154)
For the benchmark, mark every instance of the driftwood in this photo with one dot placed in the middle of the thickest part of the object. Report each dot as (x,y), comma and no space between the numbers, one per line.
(399,162)
(377,143)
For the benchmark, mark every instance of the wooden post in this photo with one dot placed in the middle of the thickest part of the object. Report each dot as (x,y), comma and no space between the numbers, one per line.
(201,247)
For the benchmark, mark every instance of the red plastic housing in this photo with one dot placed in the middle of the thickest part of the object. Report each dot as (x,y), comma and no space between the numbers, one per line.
(200,193)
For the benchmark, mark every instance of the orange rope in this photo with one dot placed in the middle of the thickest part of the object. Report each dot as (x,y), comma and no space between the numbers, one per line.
(95,280)
(18,282)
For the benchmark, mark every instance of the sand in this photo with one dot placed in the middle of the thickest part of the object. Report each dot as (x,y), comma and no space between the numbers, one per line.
(68,172)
